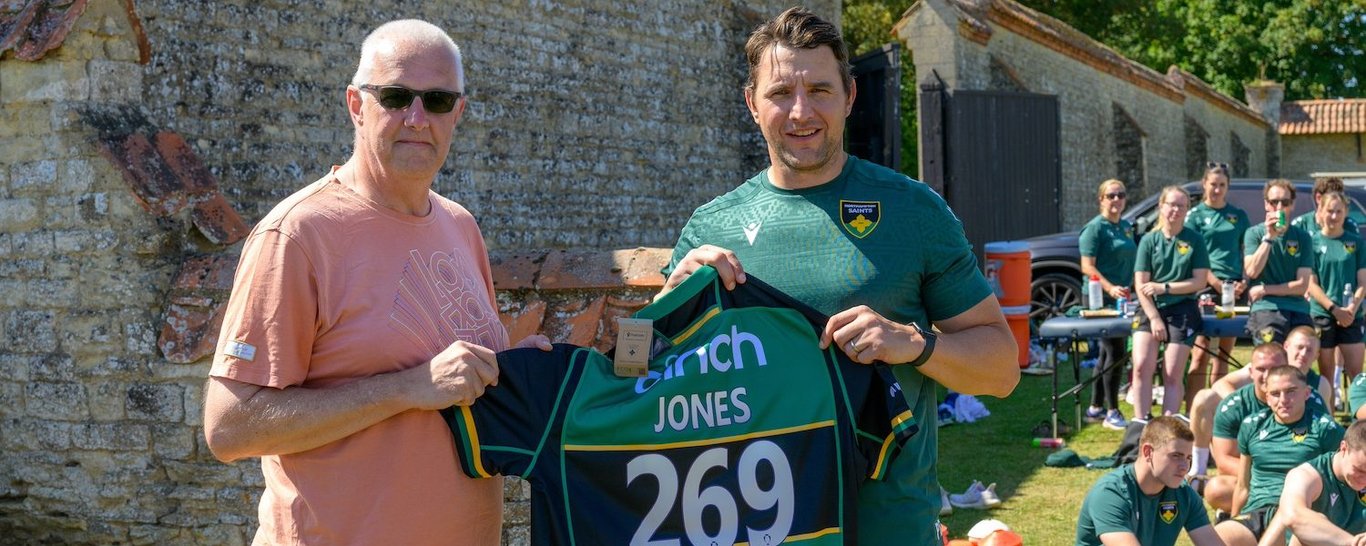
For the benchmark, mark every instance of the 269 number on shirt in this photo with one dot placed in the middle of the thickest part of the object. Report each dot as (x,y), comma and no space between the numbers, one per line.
(696,499)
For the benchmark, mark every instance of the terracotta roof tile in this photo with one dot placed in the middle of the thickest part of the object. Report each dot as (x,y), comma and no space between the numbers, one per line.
(34,27)
(1317,117)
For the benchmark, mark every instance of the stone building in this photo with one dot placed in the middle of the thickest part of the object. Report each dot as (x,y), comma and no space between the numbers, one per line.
(140,140)
(1117,118)
(1319,136)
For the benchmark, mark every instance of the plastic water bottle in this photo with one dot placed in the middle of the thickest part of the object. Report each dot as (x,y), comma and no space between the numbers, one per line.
(1346,295)
(1095,295)
(1227,302)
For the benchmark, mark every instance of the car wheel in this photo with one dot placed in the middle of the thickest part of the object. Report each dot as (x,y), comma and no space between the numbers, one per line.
(1051,295)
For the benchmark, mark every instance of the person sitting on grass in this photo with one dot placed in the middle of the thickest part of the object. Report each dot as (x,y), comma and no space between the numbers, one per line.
(1322,502)
(1271,443)
(1148,502)
(1236,396)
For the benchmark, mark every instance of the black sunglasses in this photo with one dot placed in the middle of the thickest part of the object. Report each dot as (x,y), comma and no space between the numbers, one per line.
(1212,166)
(397,97)
(1281,202)
(1114,196)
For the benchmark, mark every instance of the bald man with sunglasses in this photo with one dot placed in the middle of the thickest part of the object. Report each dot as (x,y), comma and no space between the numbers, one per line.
(363,304)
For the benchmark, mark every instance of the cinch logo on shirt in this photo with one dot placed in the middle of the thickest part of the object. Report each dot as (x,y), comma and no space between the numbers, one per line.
(708,357)
(1167,509)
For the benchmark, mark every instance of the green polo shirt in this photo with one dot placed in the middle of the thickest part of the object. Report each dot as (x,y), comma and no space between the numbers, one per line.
(1172,259)
(1115,504)
(871,237)
(1223,232)
(1342,505)
(1309,224)
(1112,245)
(1276,448)
(1336,263)
(1289,252)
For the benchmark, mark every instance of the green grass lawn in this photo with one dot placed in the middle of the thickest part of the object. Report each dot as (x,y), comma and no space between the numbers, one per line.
(1039,502)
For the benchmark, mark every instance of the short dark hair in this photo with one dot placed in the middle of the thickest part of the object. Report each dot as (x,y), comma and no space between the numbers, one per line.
(797,28)
(1161,431)
(1288,371)
(1275,349)
(1356,435)
(1325,185)
(1278,182)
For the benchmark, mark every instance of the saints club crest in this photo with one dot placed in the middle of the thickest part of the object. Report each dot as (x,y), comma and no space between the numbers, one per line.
(860,218)
(1167,510)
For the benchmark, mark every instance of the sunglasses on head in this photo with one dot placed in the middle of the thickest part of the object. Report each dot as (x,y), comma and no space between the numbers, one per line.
(397,97)
(1212,166)
(1281,202)
(1116,195)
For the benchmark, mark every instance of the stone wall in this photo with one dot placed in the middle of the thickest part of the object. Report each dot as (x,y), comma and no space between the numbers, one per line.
(128,174)
(1110,107)
(1304,154)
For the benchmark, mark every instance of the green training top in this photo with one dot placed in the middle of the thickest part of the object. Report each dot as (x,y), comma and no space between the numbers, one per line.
(1243,402)
(1309,224)
(1116,504)
(1356,394)
(1289,252)
(1276,448)
(871,237)
(1113,247)
(1223,232)
(1336,263)
(1172,260)
(1342,505)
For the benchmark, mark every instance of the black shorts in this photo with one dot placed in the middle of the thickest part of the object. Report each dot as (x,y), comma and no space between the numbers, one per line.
(1182,318)
(1256,520)
(1271,326)
(1331,335)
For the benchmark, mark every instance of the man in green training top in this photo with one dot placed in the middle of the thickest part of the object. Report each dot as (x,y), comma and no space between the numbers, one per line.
(879,253)
(1148,502)
(1322,502)
(1271,443)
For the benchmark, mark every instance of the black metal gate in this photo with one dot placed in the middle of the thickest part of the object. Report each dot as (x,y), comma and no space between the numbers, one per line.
(873,130)
(1003,170)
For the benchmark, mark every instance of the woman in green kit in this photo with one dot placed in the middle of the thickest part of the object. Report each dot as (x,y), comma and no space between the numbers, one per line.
(1222,225)
(1335,289)
(1171,267)
(1107,252)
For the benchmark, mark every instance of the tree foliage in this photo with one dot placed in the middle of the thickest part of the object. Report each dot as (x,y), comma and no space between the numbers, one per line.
(1313,47)
(867,26)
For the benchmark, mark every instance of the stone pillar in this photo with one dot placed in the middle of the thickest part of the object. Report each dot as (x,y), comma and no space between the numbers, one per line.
(1265,96)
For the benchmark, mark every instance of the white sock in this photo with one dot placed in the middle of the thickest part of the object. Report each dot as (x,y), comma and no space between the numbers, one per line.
(1199,456)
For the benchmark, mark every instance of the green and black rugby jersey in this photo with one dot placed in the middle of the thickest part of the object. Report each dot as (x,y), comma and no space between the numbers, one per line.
(744,430)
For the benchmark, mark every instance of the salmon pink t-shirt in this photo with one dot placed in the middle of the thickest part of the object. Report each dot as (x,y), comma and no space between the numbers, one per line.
(332,288)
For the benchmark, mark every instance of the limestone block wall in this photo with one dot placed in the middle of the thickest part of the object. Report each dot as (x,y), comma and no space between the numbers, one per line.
(1304,154)
(135,153)
(1118,119)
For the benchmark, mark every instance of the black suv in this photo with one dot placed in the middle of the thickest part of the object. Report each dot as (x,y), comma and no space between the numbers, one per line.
(1055,260)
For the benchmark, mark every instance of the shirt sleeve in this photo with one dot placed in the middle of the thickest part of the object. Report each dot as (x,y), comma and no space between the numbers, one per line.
(1194,507)
(1088,242)
(504,431)
(271,318)
(1356,393)
(1143,261)
(1245,436)
(687,240)
(952,282)
(1252,238)
(1226,420)
(1111,509)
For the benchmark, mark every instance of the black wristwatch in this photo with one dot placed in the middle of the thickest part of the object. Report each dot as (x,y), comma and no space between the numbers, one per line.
(930,337)
(1166,288)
